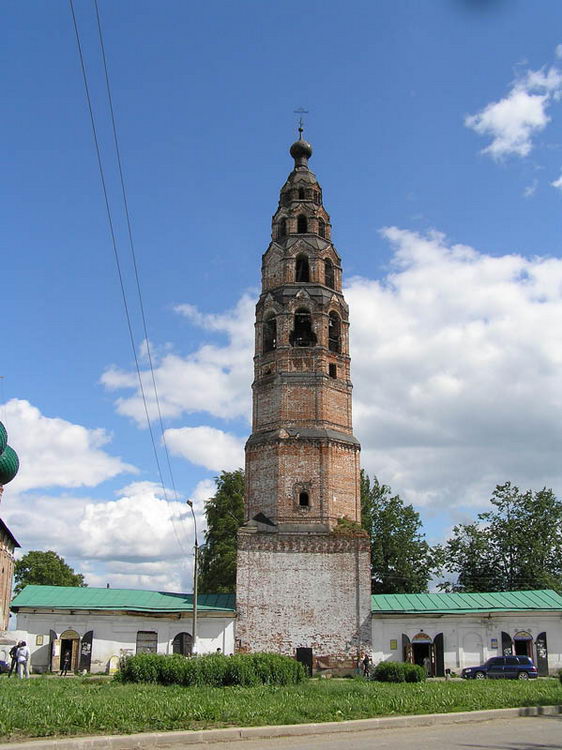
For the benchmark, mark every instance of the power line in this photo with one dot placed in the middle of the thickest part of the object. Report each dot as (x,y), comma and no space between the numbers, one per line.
(116,256)
(132,248)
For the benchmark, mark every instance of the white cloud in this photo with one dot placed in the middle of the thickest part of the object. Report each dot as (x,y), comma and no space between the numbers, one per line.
(456,361)
(512,122)
(57,453)
(138,540)
(531,189)
(558,51)
(206,446)
(213,379)
(557,183)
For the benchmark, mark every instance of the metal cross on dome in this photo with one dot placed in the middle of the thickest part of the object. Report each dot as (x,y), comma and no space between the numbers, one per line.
(300,111)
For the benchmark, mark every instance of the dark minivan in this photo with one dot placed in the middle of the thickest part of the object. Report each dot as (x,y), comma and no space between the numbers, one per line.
(506,667)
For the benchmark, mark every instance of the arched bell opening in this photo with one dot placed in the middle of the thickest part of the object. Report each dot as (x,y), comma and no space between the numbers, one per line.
(302,224)
(302,333)
(282,229)
(334,332)
(302,269)
(269,333)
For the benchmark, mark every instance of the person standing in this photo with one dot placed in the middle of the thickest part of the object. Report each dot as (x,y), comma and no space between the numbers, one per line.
(366,665)
(23,656)
(65,664)
(13,653)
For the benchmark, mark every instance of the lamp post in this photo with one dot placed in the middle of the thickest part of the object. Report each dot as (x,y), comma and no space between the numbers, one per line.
(195,564)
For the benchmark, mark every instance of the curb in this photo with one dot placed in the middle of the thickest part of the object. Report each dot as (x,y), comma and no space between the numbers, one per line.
(149,740)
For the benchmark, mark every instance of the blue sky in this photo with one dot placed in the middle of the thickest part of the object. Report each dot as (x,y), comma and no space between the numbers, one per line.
(436,135)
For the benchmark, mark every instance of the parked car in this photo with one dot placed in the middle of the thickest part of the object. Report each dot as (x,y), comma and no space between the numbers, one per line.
(507,667)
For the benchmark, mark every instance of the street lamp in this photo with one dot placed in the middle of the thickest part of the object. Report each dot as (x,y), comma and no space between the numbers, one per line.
(195,563)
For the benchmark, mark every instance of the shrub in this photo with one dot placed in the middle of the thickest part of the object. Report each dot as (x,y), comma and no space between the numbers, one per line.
(560,675)
(414,673)
(388,671)
(212,670)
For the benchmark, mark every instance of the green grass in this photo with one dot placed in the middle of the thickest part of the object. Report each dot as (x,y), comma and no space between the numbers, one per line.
(56,707)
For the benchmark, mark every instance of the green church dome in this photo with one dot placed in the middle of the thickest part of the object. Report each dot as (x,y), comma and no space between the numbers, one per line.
(9,465)
(3,438)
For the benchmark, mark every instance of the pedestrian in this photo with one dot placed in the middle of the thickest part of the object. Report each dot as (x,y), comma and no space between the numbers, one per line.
(13,653)
(65,664)
(366,665)
(427,666)
(23,655)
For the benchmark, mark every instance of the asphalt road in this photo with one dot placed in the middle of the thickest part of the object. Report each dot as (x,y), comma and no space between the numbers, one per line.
(524,733)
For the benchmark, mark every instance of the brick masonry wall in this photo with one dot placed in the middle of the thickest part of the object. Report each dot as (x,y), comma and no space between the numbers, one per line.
(304,591)
(6,575)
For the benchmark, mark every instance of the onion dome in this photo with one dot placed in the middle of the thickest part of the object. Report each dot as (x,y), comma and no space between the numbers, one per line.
(9,465)
(3,438)
(301,151)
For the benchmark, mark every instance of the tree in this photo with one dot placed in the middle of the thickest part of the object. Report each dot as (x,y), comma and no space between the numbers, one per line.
(515,546)
(44,569)
(402,562)
(225,515)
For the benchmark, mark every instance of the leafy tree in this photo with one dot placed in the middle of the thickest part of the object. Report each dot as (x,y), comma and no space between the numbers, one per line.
(225,515)
(46,569)
(515,546)
(402,562)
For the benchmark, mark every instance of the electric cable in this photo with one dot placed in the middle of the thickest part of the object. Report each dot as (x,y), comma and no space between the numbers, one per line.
(132,248)
(116,256)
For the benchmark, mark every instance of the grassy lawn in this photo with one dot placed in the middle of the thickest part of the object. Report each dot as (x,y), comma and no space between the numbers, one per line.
(49,706)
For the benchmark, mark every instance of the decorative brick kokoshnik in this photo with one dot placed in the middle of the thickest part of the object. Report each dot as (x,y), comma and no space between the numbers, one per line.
(300,583)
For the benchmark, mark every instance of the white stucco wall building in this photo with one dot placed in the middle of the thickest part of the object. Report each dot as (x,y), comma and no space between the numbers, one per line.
(461,630)
(98,626)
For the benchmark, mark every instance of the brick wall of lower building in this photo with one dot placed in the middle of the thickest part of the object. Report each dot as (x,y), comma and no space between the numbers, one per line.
(296,591)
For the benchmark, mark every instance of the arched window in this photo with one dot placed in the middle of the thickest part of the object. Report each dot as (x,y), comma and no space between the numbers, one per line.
(270,333)
(182,644)
(304,500)
(302,224)
(329,273)
(321,227)
(301,194)
(282,229)
(302,334)
(334,332)
(302,269)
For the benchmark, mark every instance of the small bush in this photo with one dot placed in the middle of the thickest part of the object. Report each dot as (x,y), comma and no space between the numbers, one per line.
(560,675)
(388,671)
(414,673)
(214,670)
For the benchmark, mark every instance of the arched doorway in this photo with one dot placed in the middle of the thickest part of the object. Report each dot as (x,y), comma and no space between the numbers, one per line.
(523,643)
(422,652)
(182,644)
(69,647)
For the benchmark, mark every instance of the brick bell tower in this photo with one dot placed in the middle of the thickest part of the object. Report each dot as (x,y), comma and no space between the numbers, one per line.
(303,580)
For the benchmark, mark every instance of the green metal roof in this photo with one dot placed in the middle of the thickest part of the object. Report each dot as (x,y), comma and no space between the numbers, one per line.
(131,600)
(451,604)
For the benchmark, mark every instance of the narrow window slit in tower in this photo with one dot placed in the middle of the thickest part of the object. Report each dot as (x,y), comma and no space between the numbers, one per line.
(322,230)
(301,193)
(332,370)
(329,273)
(302,224)
(282,231)
(304,500)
